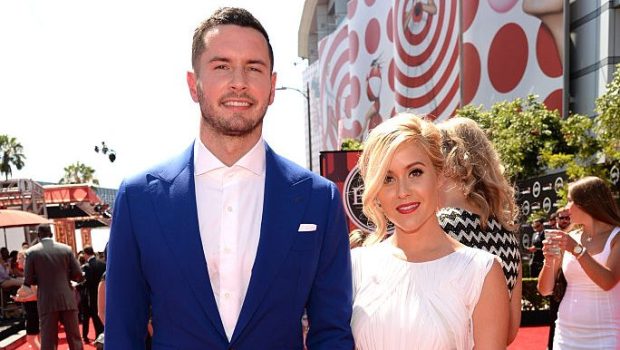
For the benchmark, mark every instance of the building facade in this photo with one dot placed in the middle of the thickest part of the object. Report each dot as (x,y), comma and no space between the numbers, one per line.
(370,59)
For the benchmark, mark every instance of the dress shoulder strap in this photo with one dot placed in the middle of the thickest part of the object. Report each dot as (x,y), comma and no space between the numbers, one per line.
(613,234)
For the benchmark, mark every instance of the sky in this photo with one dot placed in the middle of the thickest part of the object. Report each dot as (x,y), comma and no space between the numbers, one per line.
(74,73)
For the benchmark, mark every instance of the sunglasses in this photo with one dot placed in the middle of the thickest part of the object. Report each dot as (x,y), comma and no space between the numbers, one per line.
(563,217)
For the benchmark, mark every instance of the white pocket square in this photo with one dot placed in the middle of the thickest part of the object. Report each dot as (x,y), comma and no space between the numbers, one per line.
(307,227)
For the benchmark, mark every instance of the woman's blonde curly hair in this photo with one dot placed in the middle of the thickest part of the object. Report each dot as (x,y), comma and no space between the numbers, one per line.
(471,160)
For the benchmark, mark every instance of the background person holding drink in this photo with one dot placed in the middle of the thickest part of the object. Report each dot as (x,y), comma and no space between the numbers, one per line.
(589,313)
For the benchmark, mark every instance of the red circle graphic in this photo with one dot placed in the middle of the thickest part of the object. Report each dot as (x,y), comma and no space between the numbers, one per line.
(372,35)
(354,46)
(547,53)
(554,101)
(351,9)
(471,72)
(469,11)
(507,57)
(391,74)
(390,26)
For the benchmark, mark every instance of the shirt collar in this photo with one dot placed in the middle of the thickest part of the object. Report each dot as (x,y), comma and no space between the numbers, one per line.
(205,161)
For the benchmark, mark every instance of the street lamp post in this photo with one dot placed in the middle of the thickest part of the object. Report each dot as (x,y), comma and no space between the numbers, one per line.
(306,95)
(104,150)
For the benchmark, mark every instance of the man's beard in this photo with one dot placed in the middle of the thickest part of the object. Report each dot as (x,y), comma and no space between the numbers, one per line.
(236,125)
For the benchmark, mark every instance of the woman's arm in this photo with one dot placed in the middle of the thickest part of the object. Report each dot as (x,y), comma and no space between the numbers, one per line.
(491,314)
(551,266)
(101,300)
(515,307)
(605,276)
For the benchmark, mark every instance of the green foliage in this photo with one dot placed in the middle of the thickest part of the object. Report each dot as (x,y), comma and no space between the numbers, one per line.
(607,124)
(351,145)
(531,139)
(531,299)
(79,173)
(521,131)
(562,199)
(537,214)
(12,155)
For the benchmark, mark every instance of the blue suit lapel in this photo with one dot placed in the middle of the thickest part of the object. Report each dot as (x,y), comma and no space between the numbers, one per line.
(285,199)
(173,194)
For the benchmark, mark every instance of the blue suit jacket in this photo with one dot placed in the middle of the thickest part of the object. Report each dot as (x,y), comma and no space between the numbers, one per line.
(155,260)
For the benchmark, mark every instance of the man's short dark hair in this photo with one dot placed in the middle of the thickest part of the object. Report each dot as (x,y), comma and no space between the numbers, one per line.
(89,250)
(44,231)
(223,16)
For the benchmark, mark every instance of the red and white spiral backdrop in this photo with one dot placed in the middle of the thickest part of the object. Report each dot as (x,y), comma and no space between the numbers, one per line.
(388,56)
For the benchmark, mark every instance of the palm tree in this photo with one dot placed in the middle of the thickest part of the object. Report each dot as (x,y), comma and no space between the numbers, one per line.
(12,155)
(79,173)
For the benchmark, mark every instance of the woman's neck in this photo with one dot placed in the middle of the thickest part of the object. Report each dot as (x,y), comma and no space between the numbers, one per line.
(429,242)
(454,197)
(597,229)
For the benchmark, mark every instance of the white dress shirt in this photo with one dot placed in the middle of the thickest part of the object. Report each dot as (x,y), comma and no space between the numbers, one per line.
(229,201)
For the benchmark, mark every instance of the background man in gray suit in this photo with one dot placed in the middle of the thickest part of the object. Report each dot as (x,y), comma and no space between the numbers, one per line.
(52,266)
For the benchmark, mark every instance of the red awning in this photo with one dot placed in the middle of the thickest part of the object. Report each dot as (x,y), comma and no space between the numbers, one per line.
(57,194)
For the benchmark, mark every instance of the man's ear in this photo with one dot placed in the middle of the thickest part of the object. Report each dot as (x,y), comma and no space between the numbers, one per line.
(274,78)
(192,85)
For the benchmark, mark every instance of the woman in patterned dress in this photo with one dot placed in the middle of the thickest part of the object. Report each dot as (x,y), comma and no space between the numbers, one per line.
(479,209)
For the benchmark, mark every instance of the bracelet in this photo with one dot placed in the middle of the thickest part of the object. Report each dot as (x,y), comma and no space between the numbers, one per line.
(583,252)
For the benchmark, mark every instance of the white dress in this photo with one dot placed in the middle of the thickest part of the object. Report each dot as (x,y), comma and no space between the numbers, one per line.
(589,317)
(404,305)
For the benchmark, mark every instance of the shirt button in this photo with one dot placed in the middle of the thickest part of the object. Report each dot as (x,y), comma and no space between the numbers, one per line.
(226,295)
(229,209)
(227,250)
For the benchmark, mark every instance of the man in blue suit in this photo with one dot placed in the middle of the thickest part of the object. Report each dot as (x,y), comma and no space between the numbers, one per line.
(226,245)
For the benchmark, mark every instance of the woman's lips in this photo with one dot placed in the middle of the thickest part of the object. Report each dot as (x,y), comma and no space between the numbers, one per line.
(408,208)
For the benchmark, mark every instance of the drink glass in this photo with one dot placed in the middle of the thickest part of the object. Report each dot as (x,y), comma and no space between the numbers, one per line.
(549,235)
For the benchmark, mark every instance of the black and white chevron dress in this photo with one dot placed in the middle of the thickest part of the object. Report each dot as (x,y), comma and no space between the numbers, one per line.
(464,226)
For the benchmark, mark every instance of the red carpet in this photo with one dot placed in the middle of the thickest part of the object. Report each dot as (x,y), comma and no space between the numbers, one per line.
(528,338)
(62,341)
(531,338)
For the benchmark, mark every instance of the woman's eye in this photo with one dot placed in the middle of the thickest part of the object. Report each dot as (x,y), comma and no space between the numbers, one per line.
(388,179)
(416,172)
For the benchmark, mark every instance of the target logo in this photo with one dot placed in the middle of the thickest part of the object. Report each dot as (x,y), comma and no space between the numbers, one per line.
(426,57)
(335,89)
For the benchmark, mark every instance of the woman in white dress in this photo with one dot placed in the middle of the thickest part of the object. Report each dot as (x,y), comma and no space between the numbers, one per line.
(589,314)
(419,288)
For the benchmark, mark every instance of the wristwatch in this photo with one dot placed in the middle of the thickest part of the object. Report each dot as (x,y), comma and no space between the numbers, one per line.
(579,250)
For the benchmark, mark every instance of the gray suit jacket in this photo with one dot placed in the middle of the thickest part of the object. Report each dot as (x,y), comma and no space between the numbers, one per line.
(52,266)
